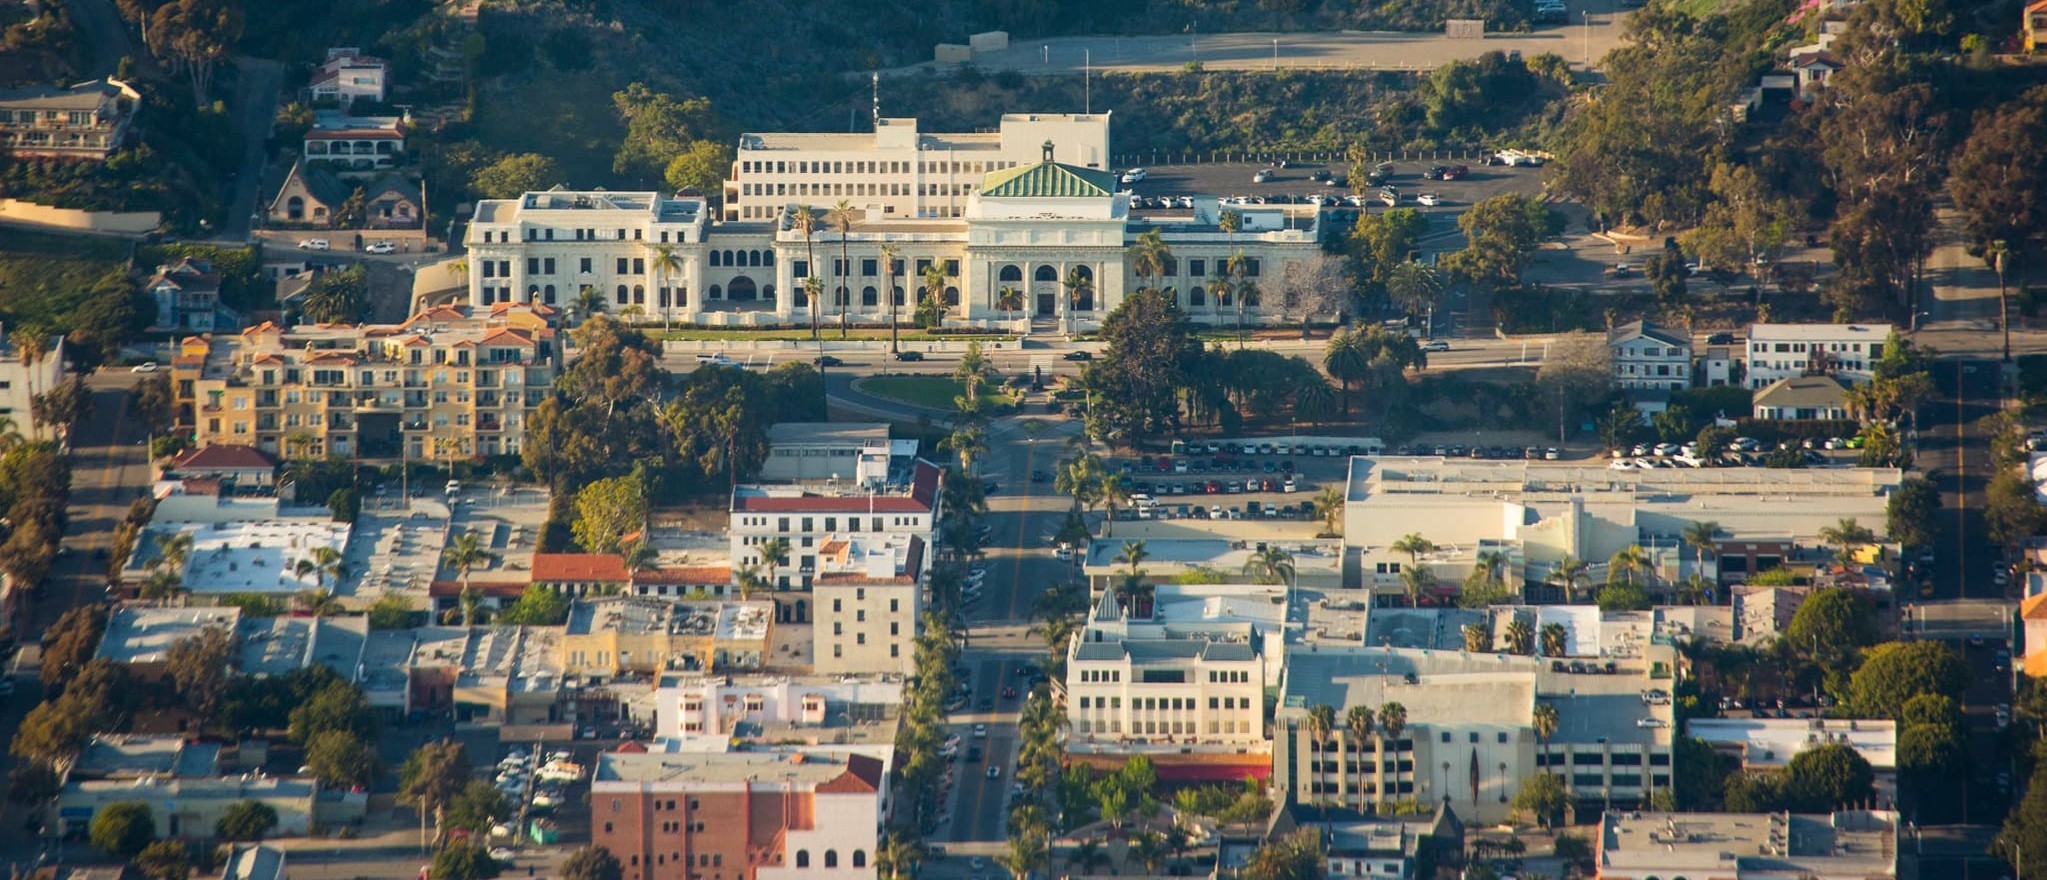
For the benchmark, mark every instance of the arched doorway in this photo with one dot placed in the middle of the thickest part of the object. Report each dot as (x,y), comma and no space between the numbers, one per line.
(742,289)
(1085,302)
(295,208)
(1045,290)
(952,297)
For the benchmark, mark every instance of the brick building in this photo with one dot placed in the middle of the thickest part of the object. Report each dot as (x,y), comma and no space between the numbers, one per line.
(738,815)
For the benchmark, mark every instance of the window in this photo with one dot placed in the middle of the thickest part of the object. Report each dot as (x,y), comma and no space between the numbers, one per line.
(859,858)
(831,858)
(803,858)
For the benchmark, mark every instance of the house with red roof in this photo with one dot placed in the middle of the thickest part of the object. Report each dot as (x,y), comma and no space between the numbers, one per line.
(243,467)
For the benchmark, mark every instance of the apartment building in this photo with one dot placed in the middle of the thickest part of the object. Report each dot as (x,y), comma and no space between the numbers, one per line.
(1359,846)
(866,604)
(355,143)
(830,451)
(780,815)
(885,518)
(1649,357)
(22,379)
(87,121)
(1846,845)
(1787,351)
(1044,240)
(1469,738)
(896,170)
(708,710)
(642,634)
(452,383)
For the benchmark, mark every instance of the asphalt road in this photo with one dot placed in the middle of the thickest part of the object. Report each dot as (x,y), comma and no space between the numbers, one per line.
(1954,451)
(1578,42)
(256,103)
(105,35)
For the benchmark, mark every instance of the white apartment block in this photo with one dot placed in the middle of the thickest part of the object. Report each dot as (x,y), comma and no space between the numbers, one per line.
(897,171)
(714,707)
(1786,351)
(841,530)
(1006,255)
(1648,357)
(348,74)
(21,380)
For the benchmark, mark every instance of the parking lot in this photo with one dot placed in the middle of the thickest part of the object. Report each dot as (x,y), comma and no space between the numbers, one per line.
(1296,183)
(1261,479)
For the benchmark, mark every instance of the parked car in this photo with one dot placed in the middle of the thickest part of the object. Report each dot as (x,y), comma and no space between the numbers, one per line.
(1079,356)
(825,360)
(380,247)
(1429,199)
(313,244)
(1436,345)
(1134,175)
(909,355)
(1263,175)
(145,367)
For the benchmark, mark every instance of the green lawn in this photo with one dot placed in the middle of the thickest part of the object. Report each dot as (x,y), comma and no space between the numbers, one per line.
(935,392)
(906,334)
(43,277)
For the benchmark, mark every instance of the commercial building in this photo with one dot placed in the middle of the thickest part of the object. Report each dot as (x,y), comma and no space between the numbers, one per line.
(1535,514)
(348,75)
(1649,357)
(1786,351)
(1045,241)
(451,383)
(1212,549)
(700,712)
(867,596)
(887,516)
(187,787)
(1469,737)
(250,556)
(618,634)
(800,815)
(21,379)
(1771,743)
(86,121)
(896,171)
(508,675)
(821,451)
(1847,845)
(237,467)
(1359,846)
(141,638)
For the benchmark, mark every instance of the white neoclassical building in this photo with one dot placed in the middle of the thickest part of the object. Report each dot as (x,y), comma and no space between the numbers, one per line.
(1045,241)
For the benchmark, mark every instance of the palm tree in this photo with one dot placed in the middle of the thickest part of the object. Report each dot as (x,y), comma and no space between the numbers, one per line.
(1520,637)
(888,268)
(774,554)
(665,264)
(747,579)
(934,293)
(1417,579)
(897,856)
(1555,640)
(1272,565)
(1626,563)
(1115,492)
(1149,255)
(973,370)
(1010,300)
(841,218)
(32,344)
(1076,283)
(1494,564)
(1133,555)
(465,553)
(590,302)
(1026,853)
(1314,401)
(1544,718)
(639,556)
(804,221)
(1329,508)
(1570,574)
(1149,848)
(172,551)
(1414,545)
(1393,720)
(1321,722)
(1229,223)
(1087,855)
(1703,536)
(1347,360)
(968,440)
(1846,534)
(325,561)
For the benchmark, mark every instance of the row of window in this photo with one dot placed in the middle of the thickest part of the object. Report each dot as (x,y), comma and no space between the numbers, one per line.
(28,117)
(1169,704)
(831,523)
(1164,728)
(1875,348)
(868,166)
(895,649)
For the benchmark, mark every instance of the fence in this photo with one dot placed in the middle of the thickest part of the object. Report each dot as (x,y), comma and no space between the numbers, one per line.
(1296,156)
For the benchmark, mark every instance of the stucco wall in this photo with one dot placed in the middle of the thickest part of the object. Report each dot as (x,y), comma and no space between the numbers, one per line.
(15,212)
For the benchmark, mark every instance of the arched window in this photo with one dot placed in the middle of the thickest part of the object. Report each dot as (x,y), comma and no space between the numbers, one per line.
(1169,267)
(767,293)
(1045,273)
(639,295)
(621,295)
(532,292)
(741,288)
(831,858)
(1197,297)
(859,858)
(714,259)
(1010,273)
(803,858)
(898,296)
(1085,272)
(840,295)
(753,258)
(768,259)
(547,294)
(717,292)
(295,208)
(952,296)
(869,296)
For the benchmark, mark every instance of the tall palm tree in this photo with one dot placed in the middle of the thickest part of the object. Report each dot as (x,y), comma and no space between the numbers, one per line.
(1010,300)
(1414,545)
(665,263)
(804,221)
(1076,283)
(1478,637)
(1115,492)
(1329,508)
(1704,537)
(1229,223)
(1555,640)
(1494,564)
(1347,359)
(1271,565)
(1416,580)
(325,562)
(172,551)
(1544,718)
(1087,855)
(897,856)
(1393,720)
(1626,563)
(1846,534)
(1520,637)
(934,293)
(748,580)
(1133,555)
(1026,853)
(1148,256)
(889,252)
(973,370)
(465,553)
(590,302)
(841,218)
(1570,574)
(1321,722)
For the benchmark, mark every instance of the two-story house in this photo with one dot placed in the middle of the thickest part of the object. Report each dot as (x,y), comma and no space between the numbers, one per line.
(187,295)
(347,75)
(1786,351)
(355,143)
(84,121)
(1649,357)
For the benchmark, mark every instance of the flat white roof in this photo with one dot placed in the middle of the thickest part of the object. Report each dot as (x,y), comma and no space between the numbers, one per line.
(258,557)
(1772,742)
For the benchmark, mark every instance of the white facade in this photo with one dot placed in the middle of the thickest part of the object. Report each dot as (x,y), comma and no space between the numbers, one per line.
(1785,351)
(346,75)
(1189,688)
(1006,253)
(865,625)
(897,171)
(1646,356)
(845,832)
(894,518)
(20,381)
(714,707)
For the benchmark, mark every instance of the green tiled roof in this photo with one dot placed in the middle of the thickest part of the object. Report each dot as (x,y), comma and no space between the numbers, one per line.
(1048,180)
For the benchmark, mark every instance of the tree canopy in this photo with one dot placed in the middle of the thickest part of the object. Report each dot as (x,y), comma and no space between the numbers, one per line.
(1894,672)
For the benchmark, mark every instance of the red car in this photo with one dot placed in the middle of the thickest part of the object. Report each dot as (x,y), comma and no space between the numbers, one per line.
(1213,487)
(1009,693)
(1456,172)
(1165,464)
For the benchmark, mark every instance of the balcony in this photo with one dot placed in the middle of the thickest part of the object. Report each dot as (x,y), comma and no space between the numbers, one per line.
(414,426)
(489,425)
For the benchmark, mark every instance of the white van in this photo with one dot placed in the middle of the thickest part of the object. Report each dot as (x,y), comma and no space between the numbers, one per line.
(717,358)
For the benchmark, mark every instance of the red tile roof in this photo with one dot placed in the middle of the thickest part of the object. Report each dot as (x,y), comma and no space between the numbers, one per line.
(225,457)
(578,567)
(863,775)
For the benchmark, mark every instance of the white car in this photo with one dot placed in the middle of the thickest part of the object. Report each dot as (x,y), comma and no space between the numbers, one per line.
(1437,345)
(1134,175)
(1650,722)
(980,731)
(1263,175)
(313,244)
(502,854)
(1430,199)
(147,367)
(380,247)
